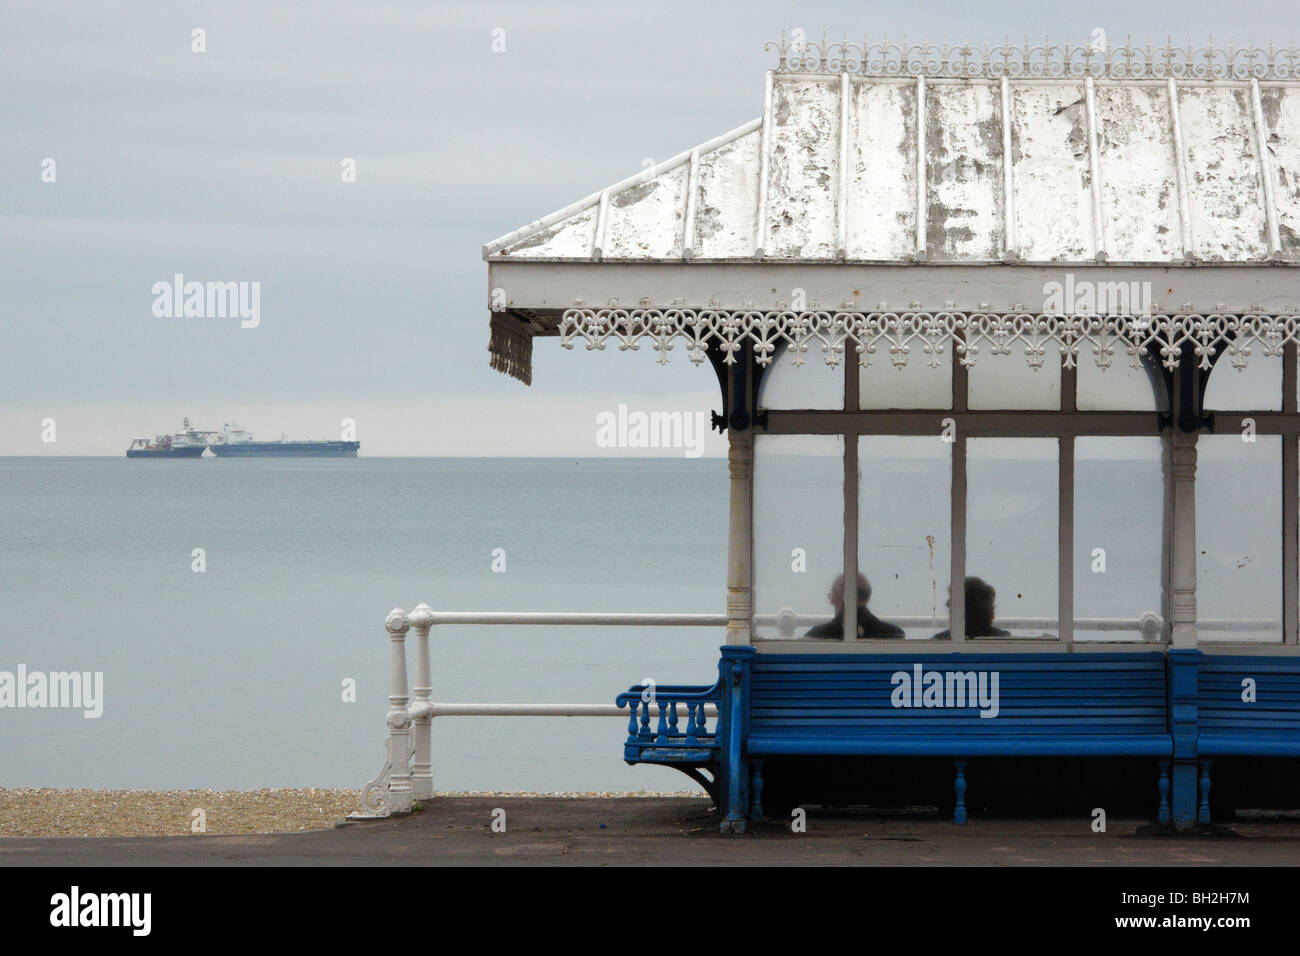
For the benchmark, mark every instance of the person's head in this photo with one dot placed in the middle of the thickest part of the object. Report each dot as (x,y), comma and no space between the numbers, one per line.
(980,598)
(837,593)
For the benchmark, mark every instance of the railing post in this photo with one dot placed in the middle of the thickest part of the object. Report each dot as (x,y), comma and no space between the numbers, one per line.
(421,618)
(399,718)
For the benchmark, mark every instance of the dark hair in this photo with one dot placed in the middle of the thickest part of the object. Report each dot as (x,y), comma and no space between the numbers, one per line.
(864,588)
(979,607)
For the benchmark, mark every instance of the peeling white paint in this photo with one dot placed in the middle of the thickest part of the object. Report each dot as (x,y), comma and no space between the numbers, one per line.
(966,208)
(1282,113)
(1049,141)
(803,170)
(1225,193)
(571,238)
(1139,198)
(964,171)
(646,221)
(726,207)
(882,171)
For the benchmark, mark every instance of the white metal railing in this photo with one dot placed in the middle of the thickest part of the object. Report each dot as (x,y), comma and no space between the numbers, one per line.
(615,619)
(407,774)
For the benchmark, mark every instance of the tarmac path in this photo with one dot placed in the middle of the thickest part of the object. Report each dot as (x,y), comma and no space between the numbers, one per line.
(678,831)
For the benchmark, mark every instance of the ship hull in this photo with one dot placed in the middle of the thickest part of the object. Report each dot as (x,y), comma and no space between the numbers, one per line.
(188,452)
(287,449)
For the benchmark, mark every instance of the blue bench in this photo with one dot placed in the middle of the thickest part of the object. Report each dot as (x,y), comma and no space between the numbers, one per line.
(1228,724)
(1049,705)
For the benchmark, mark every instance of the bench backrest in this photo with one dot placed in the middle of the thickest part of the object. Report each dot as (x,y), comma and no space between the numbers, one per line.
(1222,686)
(866,694)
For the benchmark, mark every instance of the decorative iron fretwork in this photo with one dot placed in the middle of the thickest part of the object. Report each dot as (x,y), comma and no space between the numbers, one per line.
(511,348)
(1029,60)
(902,335)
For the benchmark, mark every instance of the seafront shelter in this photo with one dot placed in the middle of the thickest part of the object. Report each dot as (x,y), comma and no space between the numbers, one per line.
(1007,335)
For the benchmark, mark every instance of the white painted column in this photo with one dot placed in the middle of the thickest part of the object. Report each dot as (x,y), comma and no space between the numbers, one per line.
(399,718)
(740,543)
(421,618)
(1182,607)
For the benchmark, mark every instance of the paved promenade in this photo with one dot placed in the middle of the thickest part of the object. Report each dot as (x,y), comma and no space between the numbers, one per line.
(677,831)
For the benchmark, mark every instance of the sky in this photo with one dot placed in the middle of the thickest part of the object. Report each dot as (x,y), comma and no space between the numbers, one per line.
(228,165)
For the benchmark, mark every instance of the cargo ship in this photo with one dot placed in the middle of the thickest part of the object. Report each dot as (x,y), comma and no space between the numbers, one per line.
(187,443)
(234,442)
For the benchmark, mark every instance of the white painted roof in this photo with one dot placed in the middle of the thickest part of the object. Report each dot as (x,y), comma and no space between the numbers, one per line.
(1016,154)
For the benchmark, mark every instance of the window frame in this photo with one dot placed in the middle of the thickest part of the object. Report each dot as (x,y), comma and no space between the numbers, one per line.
(1285,423)
(1064,424)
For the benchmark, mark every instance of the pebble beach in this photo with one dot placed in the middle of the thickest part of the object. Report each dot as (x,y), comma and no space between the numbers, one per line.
(53,812)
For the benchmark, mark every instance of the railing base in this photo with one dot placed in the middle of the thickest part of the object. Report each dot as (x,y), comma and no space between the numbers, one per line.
(361,815)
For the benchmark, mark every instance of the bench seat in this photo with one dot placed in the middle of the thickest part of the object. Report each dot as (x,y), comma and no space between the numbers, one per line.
(1254,744)
(1229,726)
(979,705)
(970,745)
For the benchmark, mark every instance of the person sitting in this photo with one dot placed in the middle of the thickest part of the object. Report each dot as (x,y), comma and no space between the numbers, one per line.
(980,598)
(868,624)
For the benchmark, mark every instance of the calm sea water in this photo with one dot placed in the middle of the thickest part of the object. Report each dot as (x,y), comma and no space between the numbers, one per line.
(233,678)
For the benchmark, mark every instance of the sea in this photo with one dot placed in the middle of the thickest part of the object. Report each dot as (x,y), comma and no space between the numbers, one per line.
(237,676)
(236,607)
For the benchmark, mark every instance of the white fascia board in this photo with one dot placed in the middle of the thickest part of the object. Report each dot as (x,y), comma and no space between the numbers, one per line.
(551,286)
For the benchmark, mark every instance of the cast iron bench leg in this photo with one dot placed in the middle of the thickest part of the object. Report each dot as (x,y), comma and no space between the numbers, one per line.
(959,790)
(1163,816)
(1203,815)
(756,791)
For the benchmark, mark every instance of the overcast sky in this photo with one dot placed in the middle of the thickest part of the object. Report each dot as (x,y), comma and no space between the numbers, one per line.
(226,165)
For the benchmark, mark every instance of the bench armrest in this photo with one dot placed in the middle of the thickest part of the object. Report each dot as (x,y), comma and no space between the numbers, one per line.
(708,693)
(673,701)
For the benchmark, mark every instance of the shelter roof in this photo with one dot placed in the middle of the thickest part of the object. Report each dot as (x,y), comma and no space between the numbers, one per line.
(1033,153)
(889,165)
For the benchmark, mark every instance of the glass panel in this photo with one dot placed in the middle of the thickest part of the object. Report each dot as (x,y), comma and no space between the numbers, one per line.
(811,385)
(1239,538)
(798,530)
(1119,388)
(904,533)
(915,385)
(1257,386)
(1118,539)
(1009,381)
(1012,507)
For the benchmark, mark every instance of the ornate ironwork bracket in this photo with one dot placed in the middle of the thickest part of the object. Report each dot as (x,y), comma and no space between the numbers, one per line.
(1185,387)
(738,382)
